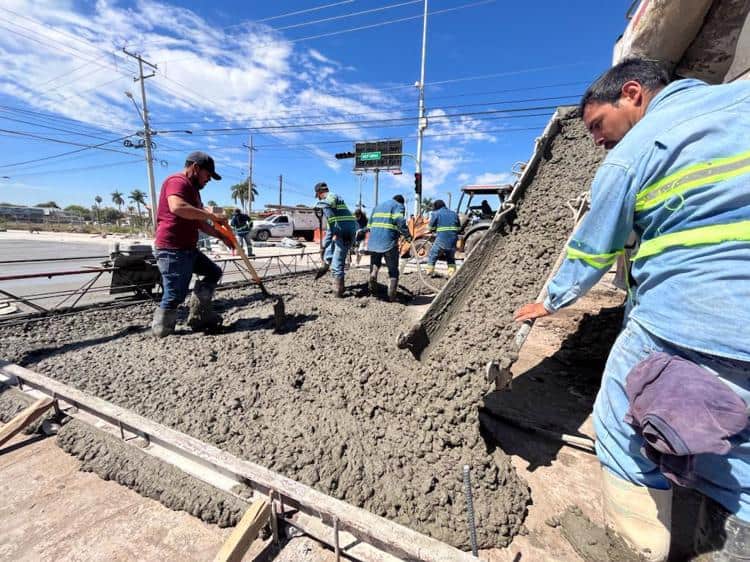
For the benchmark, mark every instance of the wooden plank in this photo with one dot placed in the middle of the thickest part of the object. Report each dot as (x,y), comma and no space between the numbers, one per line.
(245,532)
(370,528)
(24,418)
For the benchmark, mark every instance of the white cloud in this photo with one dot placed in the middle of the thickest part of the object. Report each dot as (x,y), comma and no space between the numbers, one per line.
(490,178)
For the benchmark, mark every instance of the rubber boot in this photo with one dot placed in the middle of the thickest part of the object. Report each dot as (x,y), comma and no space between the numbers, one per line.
(392,288)
(641,516)
(372,282)
(203,317)
(719,535)
(164,322)
(451,270)
(338,286)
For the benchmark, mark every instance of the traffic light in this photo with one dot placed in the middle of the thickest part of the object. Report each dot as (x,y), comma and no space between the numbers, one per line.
(418,183)
(344,155)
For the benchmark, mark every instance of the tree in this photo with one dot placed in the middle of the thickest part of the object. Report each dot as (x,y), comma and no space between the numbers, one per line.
(117,199)
(212,203)
(241,192)
(48,205)
(82,212)
(139,198)
(98,200)
(426,204)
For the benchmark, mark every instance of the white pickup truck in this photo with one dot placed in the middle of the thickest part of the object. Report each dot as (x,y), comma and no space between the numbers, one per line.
(294,224)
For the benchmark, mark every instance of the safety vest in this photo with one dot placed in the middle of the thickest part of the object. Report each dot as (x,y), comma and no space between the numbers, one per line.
(338,215)
(675,187)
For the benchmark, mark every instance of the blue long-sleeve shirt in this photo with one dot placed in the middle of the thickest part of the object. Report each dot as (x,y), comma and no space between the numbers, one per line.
(339,219)
(445,224)
(387,223)
(684,166)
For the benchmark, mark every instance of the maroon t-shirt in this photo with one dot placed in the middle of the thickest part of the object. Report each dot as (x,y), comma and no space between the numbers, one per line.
(173,232)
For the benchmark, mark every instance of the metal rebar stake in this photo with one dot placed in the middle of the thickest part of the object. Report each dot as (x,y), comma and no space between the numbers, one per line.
(470,510)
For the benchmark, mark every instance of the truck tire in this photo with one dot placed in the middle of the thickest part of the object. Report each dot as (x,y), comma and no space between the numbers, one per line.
(263,235)
(472,240)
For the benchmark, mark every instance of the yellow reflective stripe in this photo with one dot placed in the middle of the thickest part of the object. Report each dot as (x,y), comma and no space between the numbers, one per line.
(341,218)
(692,177)
(446,228)
(387,215)
(383,225)
(714,234)
(599,261)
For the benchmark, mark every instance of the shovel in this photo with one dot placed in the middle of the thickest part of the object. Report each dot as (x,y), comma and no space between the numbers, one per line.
(279,315)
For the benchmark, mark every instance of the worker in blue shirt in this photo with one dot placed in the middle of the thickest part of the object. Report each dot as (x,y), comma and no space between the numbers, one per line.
(241,225)
(677,174)
(341,227)
(387,224)
(444,223)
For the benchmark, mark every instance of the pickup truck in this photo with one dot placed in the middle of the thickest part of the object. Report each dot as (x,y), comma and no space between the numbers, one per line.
(285,225)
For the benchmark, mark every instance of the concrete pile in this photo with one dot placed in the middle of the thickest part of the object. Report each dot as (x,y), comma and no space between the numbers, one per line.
(332,402)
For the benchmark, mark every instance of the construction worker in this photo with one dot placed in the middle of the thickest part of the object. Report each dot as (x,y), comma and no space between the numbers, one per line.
(241,225)
(444,223)
(339,234)
(180,215)
(361,234)
(387,224)
(677,174)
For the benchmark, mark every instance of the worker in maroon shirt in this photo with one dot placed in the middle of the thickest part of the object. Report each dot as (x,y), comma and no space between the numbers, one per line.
(179,217)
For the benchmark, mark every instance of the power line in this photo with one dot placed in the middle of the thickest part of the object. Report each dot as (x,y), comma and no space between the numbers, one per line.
(349,15)
(80,169)
(45,158)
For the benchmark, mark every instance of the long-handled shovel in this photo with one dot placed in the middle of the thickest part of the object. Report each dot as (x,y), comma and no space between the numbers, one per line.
(279,316)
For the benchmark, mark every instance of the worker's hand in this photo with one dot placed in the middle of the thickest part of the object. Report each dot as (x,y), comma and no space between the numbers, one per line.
(215,217)
(530,311)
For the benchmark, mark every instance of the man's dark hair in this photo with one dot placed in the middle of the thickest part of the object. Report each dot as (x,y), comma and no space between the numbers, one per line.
(438,204)
(650,74)
(399,198)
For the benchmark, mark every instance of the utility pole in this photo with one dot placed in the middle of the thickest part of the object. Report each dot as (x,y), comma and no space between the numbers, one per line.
(359,177)
(377,173)
(281,183)
(422,122)
(250,149)
(146,130)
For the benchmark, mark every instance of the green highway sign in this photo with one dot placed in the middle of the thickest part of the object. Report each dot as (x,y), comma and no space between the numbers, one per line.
(369,156)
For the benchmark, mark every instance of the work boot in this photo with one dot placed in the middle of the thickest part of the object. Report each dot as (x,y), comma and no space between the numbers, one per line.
(372,282)
(641,516)
(338,286)
(202,316)
(430,270)
(719,535)
(451,270)
(392,288)
(164,322)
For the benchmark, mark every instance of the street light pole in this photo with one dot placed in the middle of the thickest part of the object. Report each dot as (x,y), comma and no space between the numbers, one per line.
(422,122)
(146,132)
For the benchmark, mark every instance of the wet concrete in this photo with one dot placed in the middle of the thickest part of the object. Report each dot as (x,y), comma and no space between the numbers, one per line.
(332,402)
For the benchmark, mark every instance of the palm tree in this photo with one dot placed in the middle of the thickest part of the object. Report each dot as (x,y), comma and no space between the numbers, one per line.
(139,198)
(212,203)
(98,200)
(118,200)
(240,191)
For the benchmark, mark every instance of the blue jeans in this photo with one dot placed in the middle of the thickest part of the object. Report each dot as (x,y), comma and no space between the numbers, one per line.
(448,253)
(336,253)
(243,239)
(177,268)
(724,478)
(391,261)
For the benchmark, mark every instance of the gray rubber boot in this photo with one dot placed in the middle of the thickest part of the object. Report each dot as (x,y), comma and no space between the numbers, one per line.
(372,282)
(719,535)
(338,286)
(392,288)
(164,322)
(202,316)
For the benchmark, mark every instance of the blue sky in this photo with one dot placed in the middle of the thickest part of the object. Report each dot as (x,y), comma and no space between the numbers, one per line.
(304,88)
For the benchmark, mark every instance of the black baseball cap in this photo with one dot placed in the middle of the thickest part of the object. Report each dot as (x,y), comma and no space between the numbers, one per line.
(321,186)
(204,161)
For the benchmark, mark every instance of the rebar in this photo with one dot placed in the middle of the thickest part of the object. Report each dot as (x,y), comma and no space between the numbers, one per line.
(470,510)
